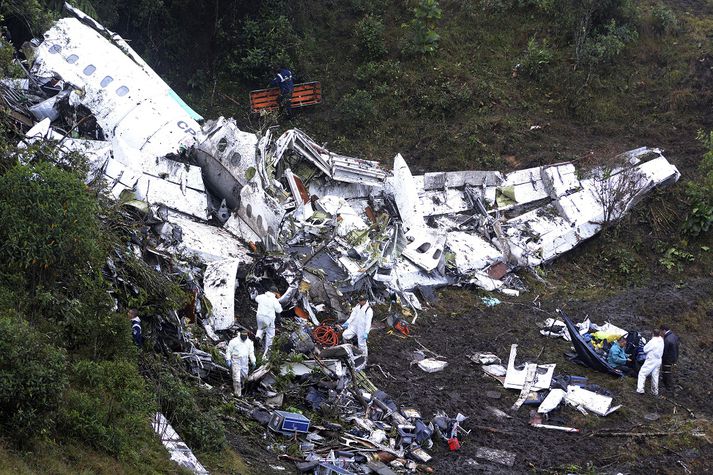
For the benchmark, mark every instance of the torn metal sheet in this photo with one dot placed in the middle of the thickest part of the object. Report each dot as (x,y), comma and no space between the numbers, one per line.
(261,212)
(178,450)
(432,365)
(521,187)
(227,156)
(301,368)
(472,252)
(425,249)
(127,101)
(589,400)
(403,188)
(348,220)
(337,167)
(182,174)
(205,242)
(300,195)
(554,398)
(443,180)
(155,190)
(560,180)
(517,378)
(219,289)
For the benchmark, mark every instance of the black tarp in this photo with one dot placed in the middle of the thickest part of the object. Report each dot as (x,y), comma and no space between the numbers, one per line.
(585,353)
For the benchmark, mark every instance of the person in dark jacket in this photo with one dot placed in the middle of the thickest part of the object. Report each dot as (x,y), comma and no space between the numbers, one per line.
(670,356)
(284,79)
(136,331)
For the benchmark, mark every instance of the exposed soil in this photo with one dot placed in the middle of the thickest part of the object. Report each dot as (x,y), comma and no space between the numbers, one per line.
(459,325)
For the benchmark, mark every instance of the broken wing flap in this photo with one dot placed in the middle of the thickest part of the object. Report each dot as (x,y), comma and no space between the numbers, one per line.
(586,355)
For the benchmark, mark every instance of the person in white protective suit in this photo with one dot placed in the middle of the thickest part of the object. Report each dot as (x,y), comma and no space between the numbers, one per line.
(652,364)
(267,309)
(239,356)
(359,324)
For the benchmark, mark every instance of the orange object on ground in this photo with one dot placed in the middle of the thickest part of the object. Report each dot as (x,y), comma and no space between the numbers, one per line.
(325,335)
(299,311)
(305,94)
(402,327)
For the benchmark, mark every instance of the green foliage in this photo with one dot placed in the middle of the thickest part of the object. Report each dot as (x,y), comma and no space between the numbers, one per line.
(700,192)
(32,380)
(379,74)
(664,21)
(8,68)
(545,6)
(49,230)
(603,47)
(199,425)
(108,406)
(674,258)
(369,37)
(28,14)
(424,39)
(265,44)
(357,108)
(537,57)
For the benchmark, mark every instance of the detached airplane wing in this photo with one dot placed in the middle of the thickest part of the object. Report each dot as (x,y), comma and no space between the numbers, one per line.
(130,101)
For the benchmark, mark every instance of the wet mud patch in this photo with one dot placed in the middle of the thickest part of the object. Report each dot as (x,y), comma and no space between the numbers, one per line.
(459,325)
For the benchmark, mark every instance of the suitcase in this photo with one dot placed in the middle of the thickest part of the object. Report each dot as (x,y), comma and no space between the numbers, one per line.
(287,423)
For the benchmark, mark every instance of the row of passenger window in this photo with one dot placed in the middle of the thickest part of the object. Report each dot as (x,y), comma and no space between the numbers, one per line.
(89,70)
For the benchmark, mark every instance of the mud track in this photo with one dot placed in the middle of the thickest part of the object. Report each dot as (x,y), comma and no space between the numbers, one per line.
(459,324)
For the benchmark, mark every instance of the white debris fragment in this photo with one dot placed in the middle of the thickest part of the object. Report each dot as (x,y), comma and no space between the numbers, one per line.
(178,450)
(219,288)
(589,400)
(432,365)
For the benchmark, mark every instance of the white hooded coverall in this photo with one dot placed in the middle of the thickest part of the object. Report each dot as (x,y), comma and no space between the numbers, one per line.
(358,325)
(240,353)
(267,309)
(652,365)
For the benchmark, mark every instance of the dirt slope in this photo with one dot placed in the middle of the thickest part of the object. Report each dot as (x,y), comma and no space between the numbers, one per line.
(459,324)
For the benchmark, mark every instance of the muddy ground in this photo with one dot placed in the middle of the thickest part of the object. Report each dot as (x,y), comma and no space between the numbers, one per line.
(459,325)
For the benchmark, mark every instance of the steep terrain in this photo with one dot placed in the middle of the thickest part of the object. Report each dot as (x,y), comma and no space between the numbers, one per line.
(508,84)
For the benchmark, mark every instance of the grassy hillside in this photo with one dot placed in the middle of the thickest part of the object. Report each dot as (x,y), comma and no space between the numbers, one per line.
(470,84)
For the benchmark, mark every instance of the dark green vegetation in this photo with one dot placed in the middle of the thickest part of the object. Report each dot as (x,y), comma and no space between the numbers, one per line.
(450,84)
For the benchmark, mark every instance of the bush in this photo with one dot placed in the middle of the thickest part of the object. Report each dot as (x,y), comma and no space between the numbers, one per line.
(379,73)
(201,428)
(602,48)
(537,57)
(424,38)
(32,380)
(700,193)
(264,45)
(369,37)
(663,20)
(108,406)
(50,232)
(357,108)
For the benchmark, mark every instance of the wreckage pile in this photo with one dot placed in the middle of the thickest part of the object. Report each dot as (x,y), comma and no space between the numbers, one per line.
(236,212)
